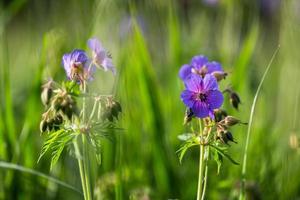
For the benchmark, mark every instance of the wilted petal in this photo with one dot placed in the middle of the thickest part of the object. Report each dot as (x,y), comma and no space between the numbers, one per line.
(185,72)
(215,99)
(210,82)
(187,97)
(200,109)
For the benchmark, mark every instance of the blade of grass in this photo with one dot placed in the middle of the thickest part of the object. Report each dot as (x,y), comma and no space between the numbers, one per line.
(242,192)
(6,165)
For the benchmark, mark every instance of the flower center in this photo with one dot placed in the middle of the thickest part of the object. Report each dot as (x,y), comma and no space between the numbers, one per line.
(202,97)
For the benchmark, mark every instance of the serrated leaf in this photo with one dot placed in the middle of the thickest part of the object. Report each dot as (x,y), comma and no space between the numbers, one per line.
(185,136)
(55,143)
(182,150)
(221,151)
(219,160)
(49,140)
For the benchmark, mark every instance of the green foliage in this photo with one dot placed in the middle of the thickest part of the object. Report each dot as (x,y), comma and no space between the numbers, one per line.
(55,143)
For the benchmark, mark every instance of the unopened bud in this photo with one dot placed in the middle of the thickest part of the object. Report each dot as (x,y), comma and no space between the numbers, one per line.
(47,93)
(219,75)
(188,116)
(43,126)
(235,100)
(231,121)
(229,136)
(219,114)
(294,141)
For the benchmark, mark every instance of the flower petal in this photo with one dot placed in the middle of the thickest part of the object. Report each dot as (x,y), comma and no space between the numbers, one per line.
(95,45)
(66,61)
(214,99)
(195,83)
(185,72)
(200,109)
(199,61)
(210,82)
(187,97)
(213,66)
(108,65)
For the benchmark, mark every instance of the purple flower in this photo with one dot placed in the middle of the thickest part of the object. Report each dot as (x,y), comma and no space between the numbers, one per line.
(202,95)
(101,59)
(76,65)
(201,66)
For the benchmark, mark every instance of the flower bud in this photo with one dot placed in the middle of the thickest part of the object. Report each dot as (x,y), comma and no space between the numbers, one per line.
(235,100)
(43,126)
(47,93)
(219,114)
(111,110)
(294,141)
(229,136)
(219,75)
(230,121)
(188,116)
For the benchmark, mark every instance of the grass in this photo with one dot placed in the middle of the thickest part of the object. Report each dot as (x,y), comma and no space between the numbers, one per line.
(149,41)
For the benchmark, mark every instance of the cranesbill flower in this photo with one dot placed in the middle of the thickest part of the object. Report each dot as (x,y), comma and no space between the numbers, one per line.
(200,65)
(76,65)
(202,95)
(101,58)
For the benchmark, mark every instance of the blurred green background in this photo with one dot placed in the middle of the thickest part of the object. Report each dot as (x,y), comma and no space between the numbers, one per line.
(149,41)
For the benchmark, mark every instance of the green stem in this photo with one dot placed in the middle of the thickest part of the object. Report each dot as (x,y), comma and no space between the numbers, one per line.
(200,178)
(85,150)
(205,173)
(201,162)
(86,168)
(81,170)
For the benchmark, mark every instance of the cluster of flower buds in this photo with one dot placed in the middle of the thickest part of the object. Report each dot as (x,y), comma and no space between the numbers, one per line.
(223,134)
(59,104)
(111,109)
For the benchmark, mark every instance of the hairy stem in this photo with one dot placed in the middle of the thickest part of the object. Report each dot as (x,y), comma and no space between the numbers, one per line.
(205,172)
(81,170)
(85,150)
(201,163)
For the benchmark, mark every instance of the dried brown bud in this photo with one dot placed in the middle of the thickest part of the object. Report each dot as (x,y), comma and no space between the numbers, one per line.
(111,109)
(230,121)
(219,75)
(235,100)
(219,114)
(188,116)
(43,126)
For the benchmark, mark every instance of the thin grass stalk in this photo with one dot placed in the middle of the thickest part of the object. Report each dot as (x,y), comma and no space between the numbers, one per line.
(6,165)
(244,169)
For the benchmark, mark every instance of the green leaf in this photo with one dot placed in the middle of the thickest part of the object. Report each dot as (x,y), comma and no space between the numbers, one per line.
(185,136)
(49,140)
(182,150)
(222,152)
(219,160)
(55,144)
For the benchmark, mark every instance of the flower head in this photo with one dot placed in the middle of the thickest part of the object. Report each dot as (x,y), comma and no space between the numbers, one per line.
(76,65)
(200,65)
(202,95)
(101,58)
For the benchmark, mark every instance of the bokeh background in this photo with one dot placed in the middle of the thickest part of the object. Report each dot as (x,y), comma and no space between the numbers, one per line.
(149,41)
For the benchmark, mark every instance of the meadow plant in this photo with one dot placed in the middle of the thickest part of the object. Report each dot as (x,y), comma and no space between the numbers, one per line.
(204,100)
(66,124)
